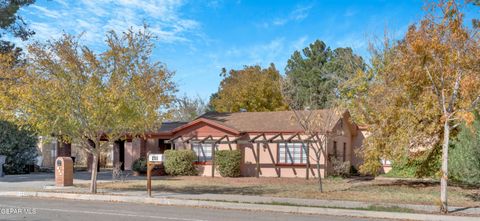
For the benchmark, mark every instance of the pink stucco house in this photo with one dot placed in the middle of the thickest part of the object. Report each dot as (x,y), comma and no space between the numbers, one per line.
(273,144)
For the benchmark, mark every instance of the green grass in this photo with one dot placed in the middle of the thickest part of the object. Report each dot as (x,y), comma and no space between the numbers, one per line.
(389,209)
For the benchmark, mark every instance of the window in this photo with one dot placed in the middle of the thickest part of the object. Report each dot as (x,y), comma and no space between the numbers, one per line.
(335,149)
(203,151)
(344,152)
(292,153)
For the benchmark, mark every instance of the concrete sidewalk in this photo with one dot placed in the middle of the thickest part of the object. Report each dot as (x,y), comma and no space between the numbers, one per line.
(239,206)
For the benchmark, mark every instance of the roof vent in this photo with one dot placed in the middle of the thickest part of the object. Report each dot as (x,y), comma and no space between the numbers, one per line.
(243,110)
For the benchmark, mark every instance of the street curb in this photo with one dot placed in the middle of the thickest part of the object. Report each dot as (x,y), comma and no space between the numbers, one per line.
(240,206)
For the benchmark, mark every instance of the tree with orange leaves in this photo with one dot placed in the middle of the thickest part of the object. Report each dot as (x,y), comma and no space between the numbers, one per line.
(442,54)
(433,71)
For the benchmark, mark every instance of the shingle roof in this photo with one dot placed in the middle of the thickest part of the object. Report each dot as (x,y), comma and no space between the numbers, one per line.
(170,125)
(278,121)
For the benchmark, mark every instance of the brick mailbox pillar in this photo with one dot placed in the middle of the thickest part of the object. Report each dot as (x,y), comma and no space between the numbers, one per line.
(64,171)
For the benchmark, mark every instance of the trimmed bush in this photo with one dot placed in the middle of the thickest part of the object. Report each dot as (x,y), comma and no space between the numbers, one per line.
(228,162)
(180,162)
(340,168)
(140,165)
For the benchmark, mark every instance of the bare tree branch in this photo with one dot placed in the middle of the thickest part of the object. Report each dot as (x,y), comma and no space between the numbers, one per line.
(455,92)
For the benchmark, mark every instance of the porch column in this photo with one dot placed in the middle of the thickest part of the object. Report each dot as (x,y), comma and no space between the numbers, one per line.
(213,160)
(258,160)
(143,147)
(308,161)
(119,154)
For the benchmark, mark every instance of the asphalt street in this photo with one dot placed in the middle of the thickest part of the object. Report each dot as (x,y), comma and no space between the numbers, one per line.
(76,210)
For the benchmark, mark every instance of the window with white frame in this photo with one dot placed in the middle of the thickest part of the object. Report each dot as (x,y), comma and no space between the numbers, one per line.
(292,153)
(203,151)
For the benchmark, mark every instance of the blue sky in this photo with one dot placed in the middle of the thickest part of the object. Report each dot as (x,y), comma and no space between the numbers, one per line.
(197,38)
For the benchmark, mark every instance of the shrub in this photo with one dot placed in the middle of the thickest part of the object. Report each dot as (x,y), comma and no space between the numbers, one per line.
(180,162)
(140,165)
(402,169)
(340,168)
(464,162)
(228,162)
(20,147)
(422,164)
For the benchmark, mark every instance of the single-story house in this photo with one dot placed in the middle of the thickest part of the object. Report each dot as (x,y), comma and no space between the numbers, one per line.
(273,144)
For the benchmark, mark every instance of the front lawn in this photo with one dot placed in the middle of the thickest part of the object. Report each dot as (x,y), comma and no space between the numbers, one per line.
(383,190)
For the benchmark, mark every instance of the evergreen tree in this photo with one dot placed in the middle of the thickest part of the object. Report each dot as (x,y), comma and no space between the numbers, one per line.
(465,154)
(317,75)
(19,145)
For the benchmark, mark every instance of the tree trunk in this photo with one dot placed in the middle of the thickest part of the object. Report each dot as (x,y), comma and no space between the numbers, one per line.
(444,179)
(319,176)
(93,180)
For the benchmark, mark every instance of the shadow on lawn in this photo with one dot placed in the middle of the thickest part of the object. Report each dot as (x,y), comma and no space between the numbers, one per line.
(202,189)
(474,196)
(359,179)
(410,183)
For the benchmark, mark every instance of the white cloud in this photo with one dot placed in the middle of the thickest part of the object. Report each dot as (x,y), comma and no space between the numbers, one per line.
(277,51)
(45,12)
(299,44)
(262,54)
(61,2)
(95,18)
(214,3)
(298,14)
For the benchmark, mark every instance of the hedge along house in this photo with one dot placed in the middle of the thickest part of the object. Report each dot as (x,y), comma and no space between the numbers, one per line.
(273,144)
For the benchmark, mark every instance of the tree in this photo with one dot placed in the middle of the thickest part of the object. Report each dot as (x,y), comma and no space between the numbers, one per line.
(319,73)
(85,98)
(252,88)
(317,124)
(187,109)
(19,145)
(465,154)
(430,84)
(444,53)
(11,70)
(403,126)
(11,22)
(11,56)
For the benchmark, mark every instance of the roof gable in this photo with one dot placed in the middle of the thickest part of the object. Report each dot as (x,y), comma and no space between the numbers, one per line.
(200,121)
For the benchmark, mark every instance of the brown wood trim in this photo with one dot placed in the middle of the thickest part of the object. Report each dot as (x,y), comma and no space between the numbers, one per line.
(291,165)
(203,163)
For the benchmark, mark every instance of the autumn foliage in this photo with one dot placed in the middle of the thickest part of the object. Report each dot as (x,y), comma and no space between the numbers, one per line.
(251,88)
